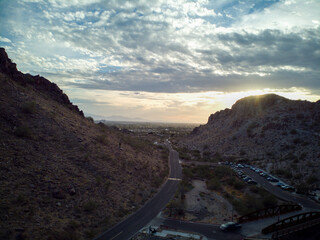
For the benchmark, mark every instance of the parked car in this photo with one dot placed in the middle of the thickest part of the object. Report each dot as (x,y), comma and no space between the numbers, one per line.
(230,226)
(288,188)
(273,179)
(247,178)
(252,182)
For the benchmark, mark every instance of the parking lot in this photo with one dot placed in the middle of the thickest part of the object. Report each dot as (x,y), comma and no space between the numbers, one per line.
(254,175)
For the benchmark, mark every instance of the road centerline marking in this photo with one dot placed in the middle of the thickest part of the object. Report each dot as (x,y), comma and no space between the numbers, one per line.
(174,179)
(116,235)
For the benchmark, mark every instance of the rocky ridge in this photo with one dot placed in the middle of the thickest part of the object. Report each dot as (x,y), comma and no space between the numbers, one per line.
(270,131)
(42,84)
(61,175)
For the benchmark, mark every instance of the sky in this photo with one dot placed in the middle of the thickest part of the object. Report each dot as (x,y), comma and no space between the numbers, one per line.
(166,60)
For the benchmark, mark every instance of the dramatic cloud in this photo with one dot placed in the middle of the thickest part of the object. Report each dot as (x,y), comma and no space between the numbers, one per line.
(167,47)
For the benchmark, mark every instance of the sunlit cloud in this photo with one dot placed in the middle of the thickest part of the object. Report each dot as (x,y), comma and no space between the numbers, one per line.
(177,51)
(172,107)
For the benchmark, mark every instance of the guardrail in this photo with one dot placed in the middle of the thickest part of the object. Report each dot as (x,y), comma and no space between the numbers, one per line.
(269,212)
(295,228)
(287,225)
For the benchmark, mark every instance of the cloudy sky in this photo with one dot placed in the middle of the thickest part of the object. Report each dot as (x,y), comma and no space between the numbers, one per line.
(166,60)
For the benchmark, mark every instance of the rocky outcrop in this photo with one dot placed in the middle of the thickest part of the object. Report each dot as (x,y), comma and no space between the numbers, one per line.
(267,129)
(61,175)
(40,83)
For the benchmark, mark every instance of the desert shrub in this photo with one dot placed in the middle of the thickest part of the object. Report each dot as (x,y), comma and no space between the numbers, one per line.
(269,201)
(242,152)
(294,166)
(185,186)
(156,181)
(240,206)
(299,116)
(217,157)
(302,188)
(239,185)
(101,139)
(297,141)
(298,176)
(165,154)
(98,180)
(29,107)
(196,154)
(187,172)
(107,185)
(139,144)
(214,184)
(250,129)
(312,179)
(23,132)
(173,204)
(254,189)
(90,206)
(206,155)
(293,131)
(288,174)
(90,119)
(252,203)
(20,199)
(283,172)
(280,171)
(90,233)
(183,153)
(73,224)
(67,234)
(222,171)
(123,212)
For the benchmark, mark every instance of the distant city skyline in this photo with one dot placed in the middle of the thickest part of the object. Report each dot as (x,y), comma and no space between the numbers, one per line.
(170,61)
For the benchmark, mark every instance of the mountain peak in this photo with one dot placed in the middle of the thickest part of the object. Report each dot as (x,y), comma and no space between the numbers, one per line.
(261,102)
(42,84)
(6,65)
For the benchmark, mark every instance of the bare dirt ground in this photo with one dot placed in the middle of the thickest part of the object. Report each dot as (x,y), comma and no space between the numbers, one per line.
(203,205)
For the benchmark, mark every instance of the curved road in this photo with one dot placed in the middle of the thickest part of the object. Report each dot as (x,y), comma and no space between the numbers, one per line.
(285,195)
(127,228)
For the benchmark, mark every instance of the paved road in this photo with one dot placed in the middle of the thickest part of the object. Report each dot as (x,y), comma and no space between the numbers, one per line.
(126,229)
(209,230)
(282,194)
(285,195)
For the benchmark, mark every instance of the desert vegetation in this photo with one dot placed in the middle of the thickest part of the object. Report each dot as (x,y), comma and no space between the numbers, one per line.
(62,175)
(221,180)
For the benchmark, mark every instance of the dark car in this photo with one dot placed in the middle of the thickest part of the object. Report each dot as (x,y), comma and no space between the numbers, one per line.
(230,226)
(252,182)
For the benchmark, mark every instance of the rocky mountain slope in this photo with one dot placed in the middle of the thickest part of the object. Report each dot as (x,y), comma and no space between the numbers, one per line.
(270,131)
(61,175)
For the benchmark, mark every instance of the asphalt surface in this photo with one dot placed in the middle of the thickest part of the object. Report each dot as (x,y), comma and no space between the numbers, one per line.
(130,226)
(282,194)
(277,191)
(208,230)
